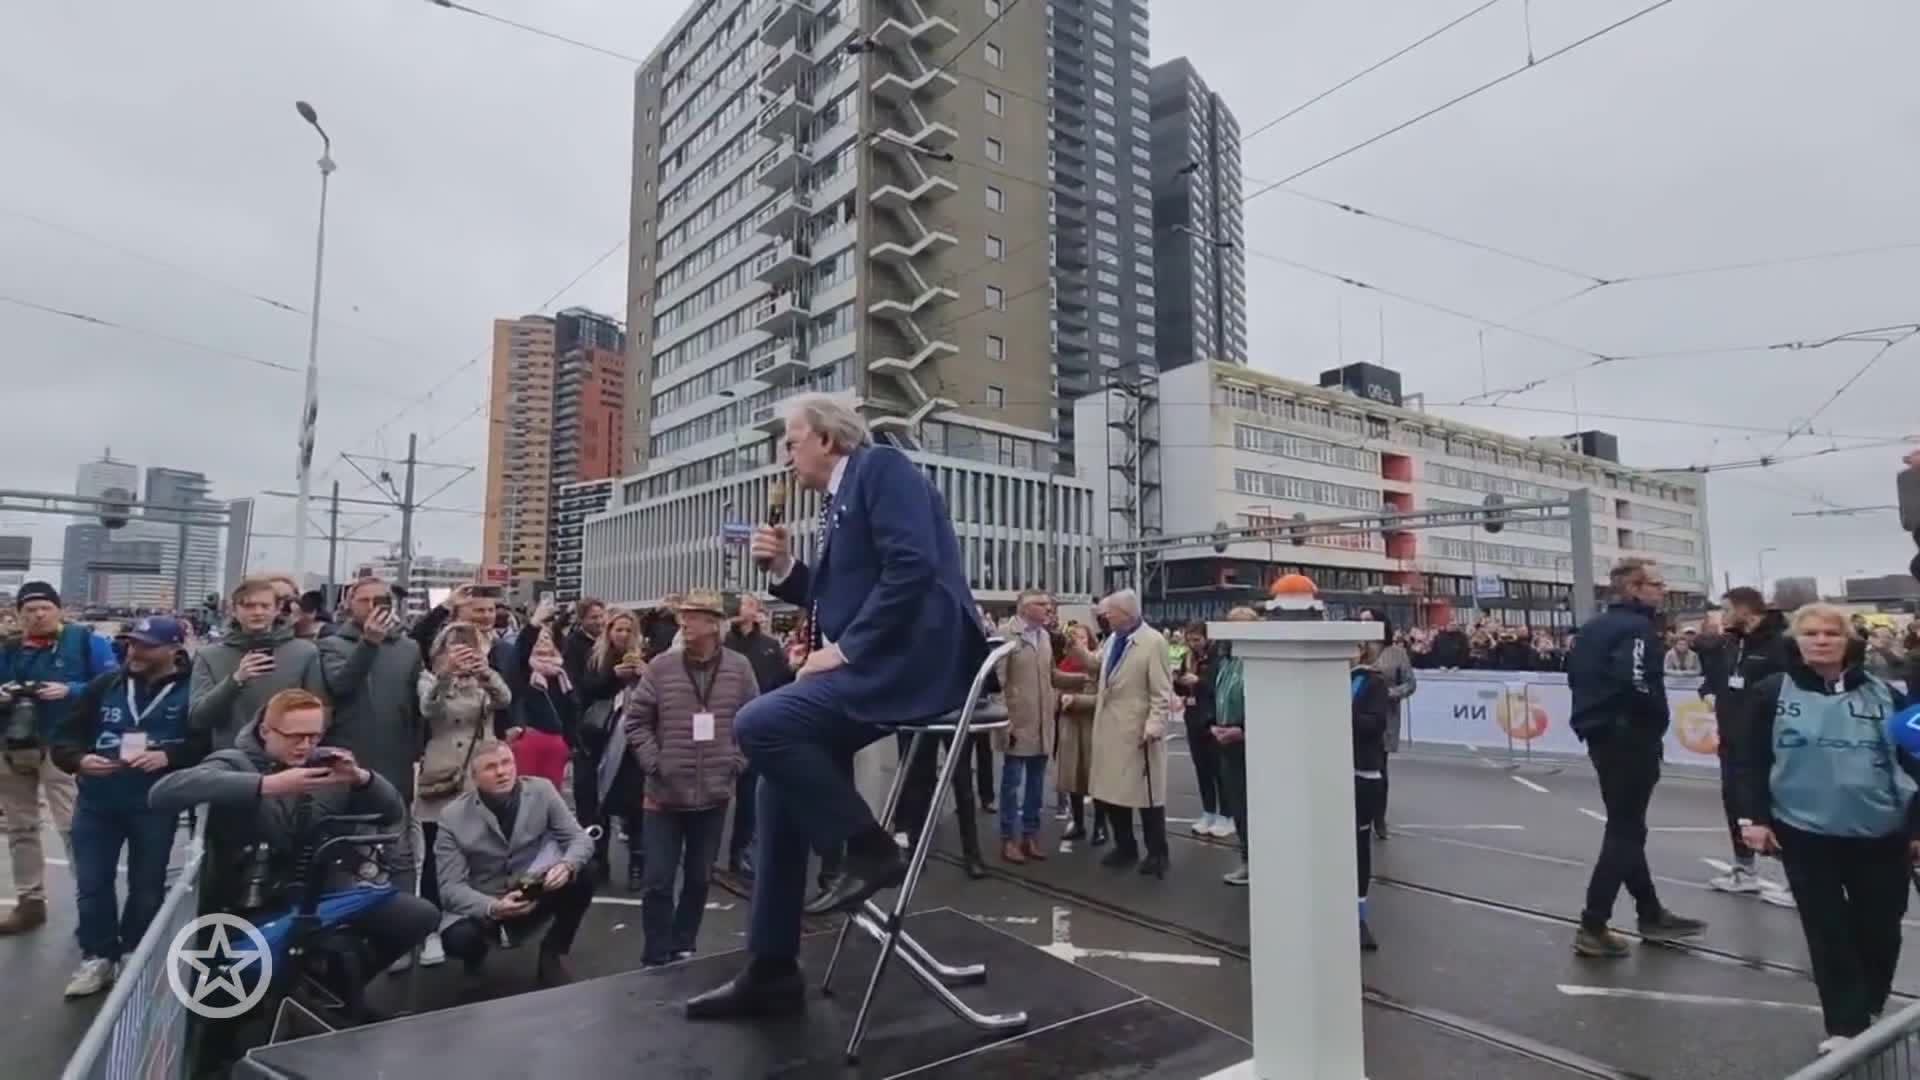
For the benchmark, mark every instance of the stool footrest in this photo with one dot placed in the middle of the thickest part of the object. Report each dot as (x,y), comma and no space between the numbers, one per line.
(873,919)
(922,965)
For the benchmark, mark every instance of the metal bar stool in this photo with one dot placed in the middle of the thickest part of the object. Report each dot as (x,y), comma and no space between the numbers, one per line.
(888,928)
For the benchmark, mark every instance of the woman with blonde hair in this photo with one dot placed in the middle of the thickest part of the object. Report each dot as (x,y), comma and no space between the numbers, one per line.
(605,780)
(1819,781)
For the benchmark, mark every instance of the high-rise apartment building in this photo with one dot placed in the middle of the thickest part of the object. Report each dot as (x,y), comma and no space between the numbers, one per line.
(555,412)
(1200,261)
(1102,231)
(132,566)
(573,504)
(835,195)
(200,573)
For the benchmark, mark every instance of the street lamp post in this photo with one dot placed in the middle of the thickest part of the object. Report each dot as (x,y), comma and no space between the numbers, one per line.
(310,405)
(1763,569)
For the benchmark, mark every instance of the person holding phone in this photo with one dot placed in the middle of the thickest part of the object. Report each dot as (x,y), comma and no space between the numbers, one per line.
(541,730)
(127,729)
(606,782)
(258,658)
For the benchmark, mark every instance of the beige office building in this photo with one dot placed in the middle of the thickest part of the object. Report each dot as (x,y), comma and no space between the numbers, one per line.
(830,195)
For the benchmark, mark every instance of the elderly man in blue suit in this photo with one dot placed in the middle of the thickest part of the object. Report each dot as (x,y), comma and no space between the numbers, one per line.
(896,640)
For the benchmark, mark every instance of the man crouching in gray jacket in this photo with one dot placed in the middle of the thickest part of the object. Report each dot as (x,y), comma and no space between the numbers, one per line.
(511,856)
(262,791)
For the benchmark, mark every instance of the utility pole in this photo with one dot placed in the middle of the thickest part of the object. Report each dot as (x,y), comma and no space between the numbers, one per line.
(406,513)
(1580,525)
(333,540)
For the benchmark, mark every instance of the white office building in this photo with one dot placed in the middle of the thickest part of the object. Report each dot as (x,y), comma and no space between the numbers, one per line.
(1225,443)
(430,576)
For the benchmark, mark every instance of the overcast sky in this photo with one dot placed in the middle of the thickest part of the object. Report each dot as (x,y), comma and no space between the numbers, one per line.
(157,177)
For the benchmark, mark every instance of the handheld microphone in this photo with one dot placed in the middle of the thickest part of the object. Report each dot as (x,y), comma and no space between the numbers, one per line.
(776,511)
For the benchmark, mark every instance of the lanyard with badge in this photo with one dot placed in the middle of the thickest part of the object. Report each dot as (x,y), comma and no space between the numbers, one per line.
(134,742)
(703,725)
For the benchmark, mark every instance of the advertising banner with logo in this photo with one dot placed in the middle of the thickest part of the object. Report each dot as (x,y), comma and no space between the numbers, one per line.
(1484,709)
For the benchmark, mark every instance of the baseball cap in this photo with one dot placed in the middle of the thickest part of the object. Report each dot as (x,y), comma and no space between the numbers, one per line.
(158,630)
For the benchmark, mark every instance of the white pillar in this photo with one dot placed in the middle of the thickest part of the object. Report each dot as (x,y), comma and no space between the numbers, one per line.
(1302,902)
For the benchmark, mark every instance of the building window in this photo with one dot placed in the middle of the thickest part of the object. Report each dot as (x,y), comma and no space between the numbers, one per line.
(996,248)
(996,199)
(996,105)
(996,152)
(996,347)
(996,298)
(996,397)
(995,56)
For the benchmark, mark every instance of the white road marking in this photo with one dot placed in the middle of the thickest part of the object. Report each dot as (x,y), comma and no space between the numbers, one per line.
(1595,815)
(635,901)
(1015,920)
(1064,948)
(1688,828)
(1530,785)
(1397,827)
(1683,999)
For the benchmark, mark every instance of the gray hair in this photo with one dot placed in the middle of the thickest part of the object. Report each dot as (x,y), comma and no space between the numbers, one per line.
(1125,600)
(832,416)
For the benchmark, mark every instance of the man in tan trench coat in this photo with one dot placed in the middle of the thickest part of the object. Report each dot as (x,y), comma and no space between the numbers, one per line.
(1134,686)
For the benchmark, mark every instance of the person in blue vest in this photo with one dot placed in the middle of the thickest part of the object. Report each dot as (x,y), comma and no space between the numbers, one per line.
(44,667)
(128,727)
(1817,780)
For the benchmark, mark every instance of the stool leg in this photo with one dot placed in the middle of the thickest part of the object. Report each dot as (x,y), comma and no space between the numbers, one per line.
(911,955)
(894,792)
(936,804)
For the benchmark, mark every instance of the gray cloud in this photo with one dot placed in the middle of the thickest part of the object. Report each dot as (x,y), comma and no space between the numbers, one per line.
(481,168)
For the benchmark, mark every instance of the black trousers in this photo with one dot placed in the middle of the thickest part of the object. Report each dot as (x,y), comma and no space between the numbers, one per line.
(1206,767)
(745,795)
(1233,787)
(471,937)
(1628,767)
(1369,795)
(1153,828)
(922,771)
(1852,894)
(1741,853)
(1380,816)
(983,765)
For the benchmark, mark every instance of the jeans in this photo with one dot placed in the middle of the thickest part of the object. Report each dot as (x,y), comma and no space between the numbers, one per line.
(1023,792)
(1206,767)
(1851,893)
(1628,767)
(683,841)
(98,833)
(470,938)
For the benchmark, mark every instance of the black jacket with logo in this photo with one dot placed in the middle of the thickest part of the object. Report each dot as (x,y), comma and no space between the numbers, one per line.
(1616,672)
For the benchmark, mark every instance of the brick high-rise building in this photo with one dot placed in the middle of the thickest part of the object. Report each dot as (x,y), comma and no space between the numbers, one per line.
(554,418)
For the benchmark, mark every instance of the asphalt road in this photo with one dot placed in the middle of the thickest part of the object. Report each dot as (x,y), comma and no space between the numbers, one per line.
(1475,903)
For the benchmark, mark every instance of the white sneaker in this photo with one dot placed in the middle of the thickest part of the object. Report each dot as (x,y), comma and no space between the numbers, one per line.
(1737,880)
(1222,828)
(432,954)
(1237,877)
(1203,826)
(1831,1043)
(1777,895)
(94,975)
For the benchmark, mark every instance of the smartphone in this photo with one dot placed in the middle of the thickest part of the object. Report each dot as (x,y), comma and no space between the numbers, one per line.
(489,592)
(1909,489)
(322,757)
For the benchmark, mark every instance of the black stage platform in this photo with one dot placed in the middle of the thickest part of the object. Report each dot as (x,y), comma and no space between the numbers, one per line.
(1081,1025)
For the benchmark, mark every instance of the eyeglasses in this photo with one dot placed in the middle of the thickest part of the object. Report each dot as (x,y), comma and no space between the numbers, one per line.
(297,736)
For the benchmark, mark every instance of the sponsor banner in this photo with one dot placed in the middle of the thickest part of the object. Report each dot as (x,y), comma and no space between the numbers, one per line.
(1489,708)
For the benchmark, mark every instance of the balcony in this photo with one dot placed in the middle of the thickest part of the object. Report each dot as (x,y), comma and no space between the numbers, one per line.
(894,197)
(786,115)
(898,89)
(781,263)
(767,418)
(933,138)
(783,168)
(894,254)
(786,214)
(902,311)
(786,365)
(780,315)
(784,20)
(784,70)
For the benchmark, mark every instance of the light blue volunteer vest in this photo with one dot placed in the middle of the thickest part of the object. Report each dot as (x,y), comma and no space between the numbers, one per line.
(1834,772)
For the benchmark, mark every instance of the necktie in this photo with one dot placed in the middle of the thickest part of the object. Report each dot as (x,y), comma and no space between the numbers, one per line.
(813,619)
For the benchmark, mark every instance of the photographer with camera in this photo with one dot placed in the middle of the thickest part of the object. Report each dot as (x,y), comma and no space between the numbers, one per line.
(259,657)
(126,729)
(272,792)
(44,667)
(511,857)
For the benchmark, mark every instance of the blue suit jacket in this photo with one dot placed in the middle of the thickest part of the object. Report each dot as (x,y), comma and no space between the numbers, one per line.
(891,592)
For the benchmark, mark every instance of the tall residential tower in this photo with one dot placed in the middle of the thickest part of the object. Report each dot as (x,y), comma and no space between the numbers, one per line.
(1200,262)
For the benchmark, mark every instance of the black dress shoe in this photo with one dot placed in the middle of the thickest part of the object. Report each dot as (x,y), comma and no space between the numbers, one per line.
(862,876)
(1153,866)
(976,869)
(1119,858)
(747,996)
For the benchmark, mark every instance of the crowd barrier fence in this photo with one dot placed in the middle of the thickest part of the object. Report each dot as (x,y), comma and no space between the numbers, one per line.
(1889,1050)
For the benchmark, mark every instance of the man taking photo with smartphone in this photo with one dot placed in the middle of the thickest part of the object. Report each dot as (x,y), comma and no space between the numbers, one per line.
(372,673)
(127,729)
(258,658)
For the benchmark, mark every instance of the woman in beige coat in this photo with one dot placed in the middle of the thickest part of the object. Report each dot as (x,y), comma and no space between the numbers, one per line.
(460,696)
(1135,687)
(1030,686)
(1073,735)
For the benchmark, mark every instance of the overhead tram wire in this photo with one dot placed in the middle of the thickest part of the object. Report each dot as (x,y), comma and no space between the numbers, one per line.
(451,5)
(1898,336)
(96,320)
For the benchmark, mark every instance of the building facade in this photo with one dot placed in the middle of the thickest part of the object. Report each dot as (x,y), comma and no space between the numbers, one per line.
(573,504)
(200,574)
(1200,260)
(1017,529)
(1253,450)
(1101,236)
